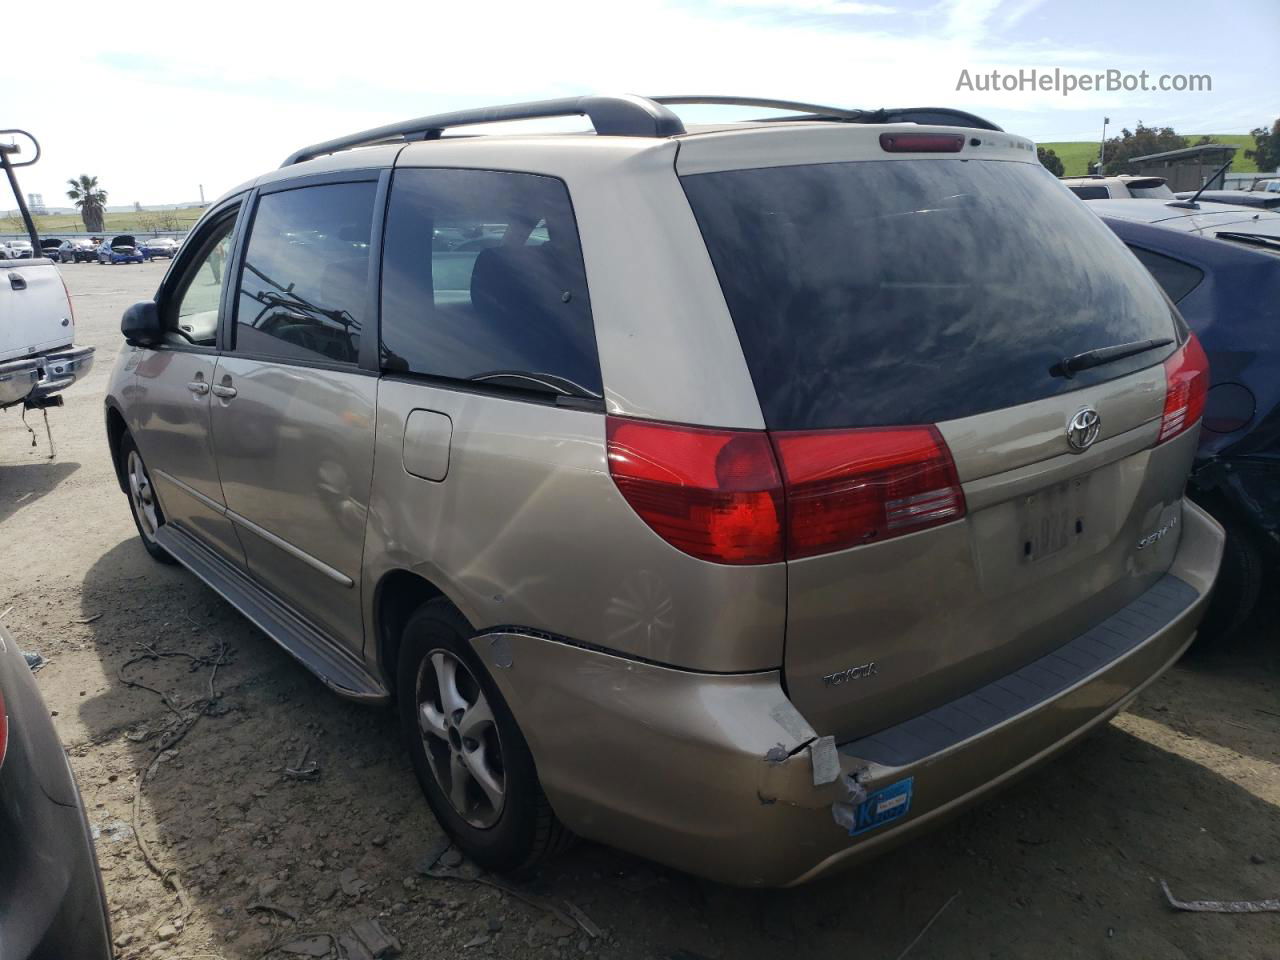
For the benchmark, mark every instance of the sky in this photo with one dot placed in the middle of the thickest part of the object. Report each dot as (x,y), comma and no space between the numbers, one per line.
(158,99)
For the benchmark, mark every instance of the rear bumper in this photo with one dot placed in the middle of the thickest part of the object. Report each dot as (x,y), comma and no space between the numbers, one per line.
(720,775)
(17,379)
(59,369)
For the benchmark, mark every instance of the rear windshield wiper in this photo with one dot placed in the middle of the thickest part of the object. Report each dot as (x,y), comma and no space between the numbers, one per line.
(1256,239)
(1070,366)
(563,390)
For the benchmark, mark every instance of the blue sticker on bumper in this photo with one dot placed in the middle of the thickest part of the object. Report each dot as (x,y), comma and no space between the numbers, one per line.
(883,806)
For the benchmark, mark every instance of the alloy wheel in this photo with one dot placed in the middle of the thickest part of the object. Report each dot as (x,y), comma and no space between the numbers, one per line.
(461,739)
(142,497)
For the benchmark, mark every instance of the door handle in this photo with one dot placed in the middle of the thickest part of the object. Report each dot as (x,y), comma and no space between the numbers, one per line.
(223,391)
(198,387)
(17,281)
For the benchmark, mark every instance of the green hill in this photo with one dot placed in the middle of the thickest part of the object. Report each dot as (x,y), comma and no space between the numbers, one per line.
(1077,154)
(146,222)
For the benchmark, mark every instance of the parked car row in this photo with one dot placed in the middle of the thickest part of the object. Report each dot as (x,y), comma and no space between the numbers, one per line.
(84,250)
(848,485)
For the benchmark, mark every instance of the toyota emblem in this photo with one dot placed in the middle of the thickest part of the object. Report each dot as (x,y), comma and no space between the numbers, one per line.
(1083,429)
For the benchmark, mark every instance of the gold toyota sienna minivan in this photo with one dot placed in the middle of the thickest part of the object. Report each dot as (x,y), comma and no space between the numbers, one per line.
(747,496)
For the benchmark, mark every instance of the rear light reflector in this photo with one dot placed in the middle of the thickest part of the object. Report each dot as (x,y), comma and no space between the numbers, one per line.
(921,142)
(1186,376)
(715,494)
(850,487)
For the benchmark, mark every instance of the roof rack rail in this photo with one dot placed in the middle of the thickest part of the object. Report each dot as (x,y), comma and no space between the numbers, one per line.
(627,116)
(619,116)
(815,111)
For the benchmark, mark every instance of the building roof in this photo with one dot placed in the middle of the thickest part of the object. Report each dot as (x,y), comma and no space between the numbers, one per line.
(1186,152)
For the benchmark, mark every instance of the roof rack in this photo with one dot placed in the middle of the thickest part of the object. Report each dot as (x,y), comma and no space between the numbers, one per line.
(627,116)
(618,116)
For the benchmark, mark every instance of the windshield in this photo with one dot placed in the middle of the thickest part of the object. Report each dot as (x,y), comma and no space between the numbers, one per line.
(1160,192)
(914,291)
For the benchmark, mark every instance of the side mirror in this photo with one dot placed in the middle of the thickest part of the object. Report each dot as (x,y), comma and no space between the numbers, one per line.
(141,324)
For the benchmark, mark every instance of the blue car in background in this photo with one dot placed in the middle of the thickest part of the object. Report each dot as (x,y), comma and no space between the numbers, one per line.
(159,247)
(121,249)
(1222,268)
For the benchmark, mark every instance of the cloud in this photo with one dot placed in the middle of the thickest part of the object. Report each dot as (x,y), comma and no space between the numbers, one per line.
(836,8)
(1015,11)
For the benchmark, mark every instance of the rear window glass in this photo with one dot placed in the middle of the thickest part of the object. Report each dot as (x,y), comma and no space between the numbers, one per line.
(1154,191)
(1176,276)
(1090,193)
(483,281)
(914,291)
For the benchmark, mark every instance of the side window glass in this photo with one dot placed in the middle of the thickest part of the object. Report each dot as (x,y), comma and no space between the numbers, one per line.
(1176,277)
(304,285)
(483,281)
(195,320)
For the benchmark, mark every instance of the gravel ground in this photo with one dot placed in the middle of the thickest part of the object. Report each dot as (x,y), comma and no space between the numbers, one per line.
(1185,786)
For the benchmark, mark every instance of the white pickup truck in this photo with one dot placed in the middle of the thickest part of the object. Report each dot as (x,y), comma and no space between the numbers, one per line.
(38,356)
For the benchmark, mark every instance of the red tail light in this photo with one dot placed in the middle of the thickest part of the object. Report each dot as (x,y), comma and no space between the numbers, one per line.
(1186,375)
(714,494)
(921,142)
(718,495)
(847,487)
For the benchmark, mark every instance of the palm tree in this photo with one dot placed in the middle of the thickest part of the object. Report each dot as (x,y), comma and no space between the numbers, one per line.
(91,201)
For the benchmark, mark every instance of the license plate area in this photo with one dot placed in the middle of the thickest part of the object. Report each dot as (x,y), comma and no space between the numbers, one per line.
(1052,520)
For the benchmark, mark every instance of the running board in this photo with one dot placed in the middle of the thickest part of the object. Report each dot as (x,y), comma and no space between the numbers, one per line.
(338,670)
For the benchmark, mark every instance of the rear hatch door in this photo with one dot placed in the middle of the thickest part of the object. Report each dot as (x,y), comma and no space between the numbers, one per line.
(937,296)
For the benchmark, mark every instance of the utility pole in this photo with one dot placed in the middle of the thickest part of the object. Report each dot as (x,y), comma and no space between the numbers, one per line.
(202,194)
(1102,151)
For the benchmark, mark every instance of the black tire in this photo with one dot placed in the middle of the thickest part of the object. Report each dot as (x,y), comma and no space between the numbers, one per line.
(128,450)
(526,831)
(1235,595)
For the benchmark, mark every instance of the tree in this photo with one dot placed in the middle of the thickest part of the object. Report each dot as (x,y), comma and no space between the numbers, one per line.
(91,200)
(1267,152)
(1051,161)
(1139,143)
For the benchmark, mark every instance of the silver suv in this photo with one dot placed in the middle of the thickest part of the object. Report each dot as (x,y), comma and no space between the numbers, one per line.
(746,496)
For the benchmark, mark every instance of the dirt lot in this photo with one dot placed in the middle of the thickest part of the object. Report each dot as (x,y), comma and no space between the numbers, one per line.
(1185,787)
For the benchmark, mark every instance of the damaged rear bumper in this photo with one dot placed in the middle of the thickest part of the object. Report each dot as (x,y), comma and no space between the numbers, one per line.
(38,377)
(719,774)
(60,369)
